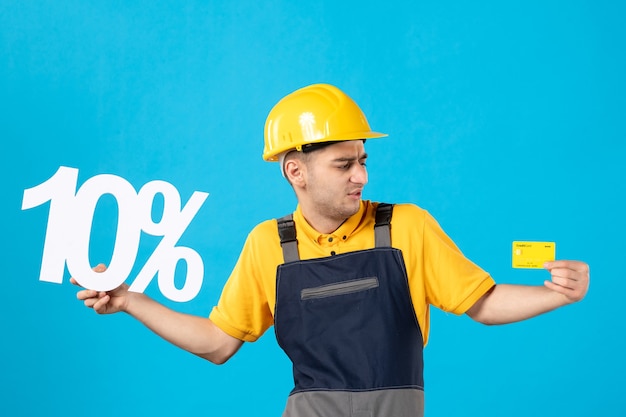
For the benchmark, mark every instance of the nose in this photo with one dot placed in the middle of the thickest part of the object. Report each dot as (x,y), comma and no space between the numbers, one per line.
(359,174)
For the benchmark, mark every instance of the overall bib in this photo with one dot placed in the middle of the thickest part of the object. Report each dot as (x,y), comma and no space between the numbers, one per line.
(348,325)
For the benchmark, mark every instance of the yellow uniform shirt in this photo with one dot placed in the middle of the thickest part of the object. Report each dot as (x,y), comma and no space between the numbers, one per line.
(438,273)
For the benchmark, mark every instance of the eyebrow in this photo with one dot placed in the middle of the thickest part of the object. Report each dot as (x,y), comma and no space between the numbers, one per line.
(350,158)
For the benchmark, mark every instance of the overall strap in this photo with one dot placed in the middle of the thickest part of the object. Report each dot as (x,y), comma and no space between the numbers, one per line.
(288,241)
(382,229)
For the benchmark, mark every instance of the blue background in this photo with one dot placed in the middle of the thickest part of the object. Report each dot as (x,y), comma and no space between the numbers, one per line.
(506,122)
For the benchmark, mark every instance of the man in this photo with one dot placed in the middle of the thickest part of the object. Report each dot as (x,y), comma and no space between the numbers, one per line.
(347,283)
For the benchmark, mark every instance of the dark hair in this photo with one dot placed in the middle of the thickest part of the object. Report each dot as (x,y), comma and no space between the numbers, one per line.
(310,147)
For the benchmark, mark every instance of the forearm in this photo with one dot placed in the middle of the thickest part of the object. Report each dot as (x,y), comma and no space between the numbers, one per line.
(507,303)
(198,335)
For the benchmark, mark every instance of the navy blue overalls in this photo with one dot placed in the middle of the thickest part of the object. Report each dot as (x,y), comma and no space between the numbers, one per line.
(348,325)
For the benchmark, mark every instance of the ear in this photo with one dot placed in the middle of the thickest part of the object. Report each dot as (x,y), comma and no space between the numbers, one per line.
(294,171)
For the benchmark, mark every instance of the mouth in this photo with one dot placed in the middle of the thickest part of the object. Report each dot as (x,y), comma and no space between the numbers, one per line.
(356,194)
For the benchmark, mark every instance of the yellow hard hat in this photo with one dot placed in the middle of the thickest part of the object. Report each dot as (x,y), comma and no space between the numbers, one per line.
(313,114)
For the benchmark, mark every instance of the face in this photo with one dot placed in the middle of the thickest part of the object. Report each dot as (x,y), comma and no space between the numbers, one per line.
(333,178)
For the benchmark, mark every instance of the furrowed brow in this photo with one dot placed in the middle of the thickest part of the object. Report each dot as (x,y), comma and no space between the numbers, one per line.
(350,158)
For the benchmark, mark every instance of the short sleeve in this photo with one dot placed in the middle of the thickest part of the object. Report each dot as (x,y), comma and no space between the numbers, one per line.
(453,283)
(245,307)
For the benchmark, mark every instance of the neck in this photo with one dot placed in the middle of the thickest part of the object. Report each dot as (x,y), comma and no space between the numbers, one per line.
(321,223)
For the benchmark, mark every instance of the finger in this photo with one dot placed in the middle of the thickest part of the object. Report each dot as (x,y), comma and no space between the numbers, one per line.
(564,282)
(93,303)
(86,294)
(573,265)
(570,278)
(573,293)
(568,292)
(564,273)
(577,281)
(101,304)
(90,302)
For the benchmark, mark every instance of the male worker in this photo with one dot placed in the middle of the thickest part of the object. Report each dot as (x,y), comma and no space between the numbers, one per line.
(347,283)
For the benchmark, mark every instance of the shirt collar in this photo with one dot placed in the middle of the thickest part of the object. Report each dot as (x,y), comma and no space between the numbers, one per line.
(343,232)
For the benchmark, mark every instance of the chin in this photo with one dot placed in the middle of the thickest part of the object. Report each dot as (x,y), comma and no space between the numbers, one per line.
(354,208)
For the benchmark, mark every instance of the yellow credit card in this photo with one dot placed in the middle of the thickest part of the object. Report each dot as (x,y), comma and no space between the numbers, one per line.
(533,254)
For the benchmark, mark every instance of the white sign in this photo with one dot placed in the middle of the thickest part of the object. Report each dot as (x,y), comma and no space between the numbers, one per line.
(69,228)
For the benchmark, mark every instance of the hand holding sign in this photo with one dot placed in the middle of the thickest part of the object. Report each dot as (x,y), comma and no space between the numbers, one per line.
(103,302)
